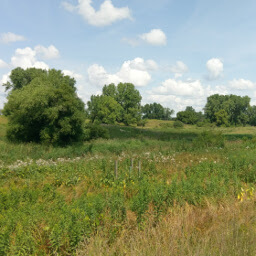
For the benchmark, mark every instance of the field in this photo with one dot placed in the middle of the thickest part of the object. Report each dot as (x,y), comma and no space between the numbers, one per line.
(154,190)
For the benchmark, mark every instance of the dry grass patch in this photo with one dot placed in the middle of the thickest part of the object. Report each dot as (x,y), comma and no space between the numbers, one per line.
(226,229)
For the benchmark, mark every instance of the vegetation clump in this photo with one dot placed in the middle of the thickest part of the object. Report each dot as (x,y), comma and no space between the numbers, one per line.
(43,107)
(178,124)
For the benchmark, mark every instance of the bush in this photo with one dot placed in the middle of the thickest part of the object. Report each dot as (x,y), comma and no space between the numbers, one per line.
(95,131)
(46,110)
(178,124)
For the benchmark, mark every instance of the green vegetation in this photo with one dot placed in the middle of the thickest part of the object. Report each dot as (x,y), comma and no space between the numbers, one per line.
(227,109)
(156,111)
(43,107)
(119,103)
(190,116)
(193,186)
(91,186)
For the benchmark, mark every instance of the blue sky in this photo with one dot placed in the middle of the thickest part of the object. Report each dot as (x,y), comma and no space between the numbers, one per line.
(176,52)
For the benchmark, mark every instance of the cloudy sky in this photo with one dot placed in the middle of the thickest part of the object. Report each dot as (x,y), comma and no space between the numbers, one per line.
(176,52)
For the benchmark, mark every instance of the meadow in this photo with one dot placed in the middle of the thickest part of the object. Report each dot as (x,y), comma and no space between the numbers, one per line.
(154,190)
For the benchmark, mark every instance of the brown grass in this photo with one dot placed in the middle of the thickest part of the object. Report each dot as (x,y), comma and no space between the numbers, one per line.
(227,229)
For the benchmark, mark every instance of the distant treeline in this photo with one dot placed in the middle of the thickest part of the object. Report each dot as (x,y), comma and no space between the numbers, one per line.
(221,110)
(122,103)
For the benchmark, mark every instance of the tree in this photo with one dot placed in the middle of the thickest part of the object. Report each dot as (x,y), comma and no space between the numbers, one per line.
(128,98)
(156,111)
(235,106)
(189,116)
(252,115)
(43,108)
(104,109)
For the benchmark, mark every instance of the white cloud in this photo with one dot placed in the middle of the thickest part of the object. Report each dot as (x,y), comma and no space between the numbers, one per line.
(3,64)
(132,71)
(5,79)
(155,37)
(178,94)
(242,84)
(50,52)
(72,74)
(11,37)
(177,103)
(215,68)
(106,15)
(179,69)
(180,88)
(26,58)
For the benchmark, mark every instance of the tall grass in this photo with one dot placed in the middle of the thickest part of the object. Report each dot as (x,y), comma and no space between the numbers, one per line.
(175,193)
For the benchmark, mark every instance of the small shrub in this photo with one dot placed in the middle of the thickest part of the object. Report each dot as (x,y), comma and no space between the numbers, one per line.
(178,124)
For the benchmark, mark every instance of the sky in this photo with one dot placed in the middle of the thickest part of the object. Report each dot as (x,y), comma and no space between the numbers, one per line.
(176,52)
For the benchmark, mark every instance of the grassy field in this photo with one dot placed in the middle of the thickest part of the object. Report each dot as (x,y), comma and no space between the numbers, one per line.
(154,190)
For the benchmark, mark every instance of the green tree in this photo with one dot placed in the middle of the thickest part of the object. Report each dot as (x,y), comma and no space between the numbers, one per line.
(45,109)
(129,99)
(235,106)
(104,109)
(189,116)
(156,111)
(252,115)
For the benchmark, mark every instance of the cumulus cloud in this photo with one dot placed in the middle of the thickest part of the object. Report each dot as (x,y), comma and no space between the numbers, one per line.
(177,103)
(187,88)
(11,37)
(30,58)
(106,15)
(26,58)
(177,94)
(72,74)
(3,64)
(132,71)
(50,52)
(155,37)
(242,84)
(215,68)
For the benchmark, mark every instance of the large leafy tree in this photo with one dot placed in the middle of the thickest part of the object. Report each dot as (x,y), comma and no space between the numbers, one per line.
(104,109)
(43,107)
(128,99)
(236,108)
(156,111)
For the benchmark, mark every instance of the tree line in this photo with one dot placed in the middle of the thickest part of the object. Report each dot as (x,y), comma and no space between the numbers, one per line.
(43,106)
(221,110)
